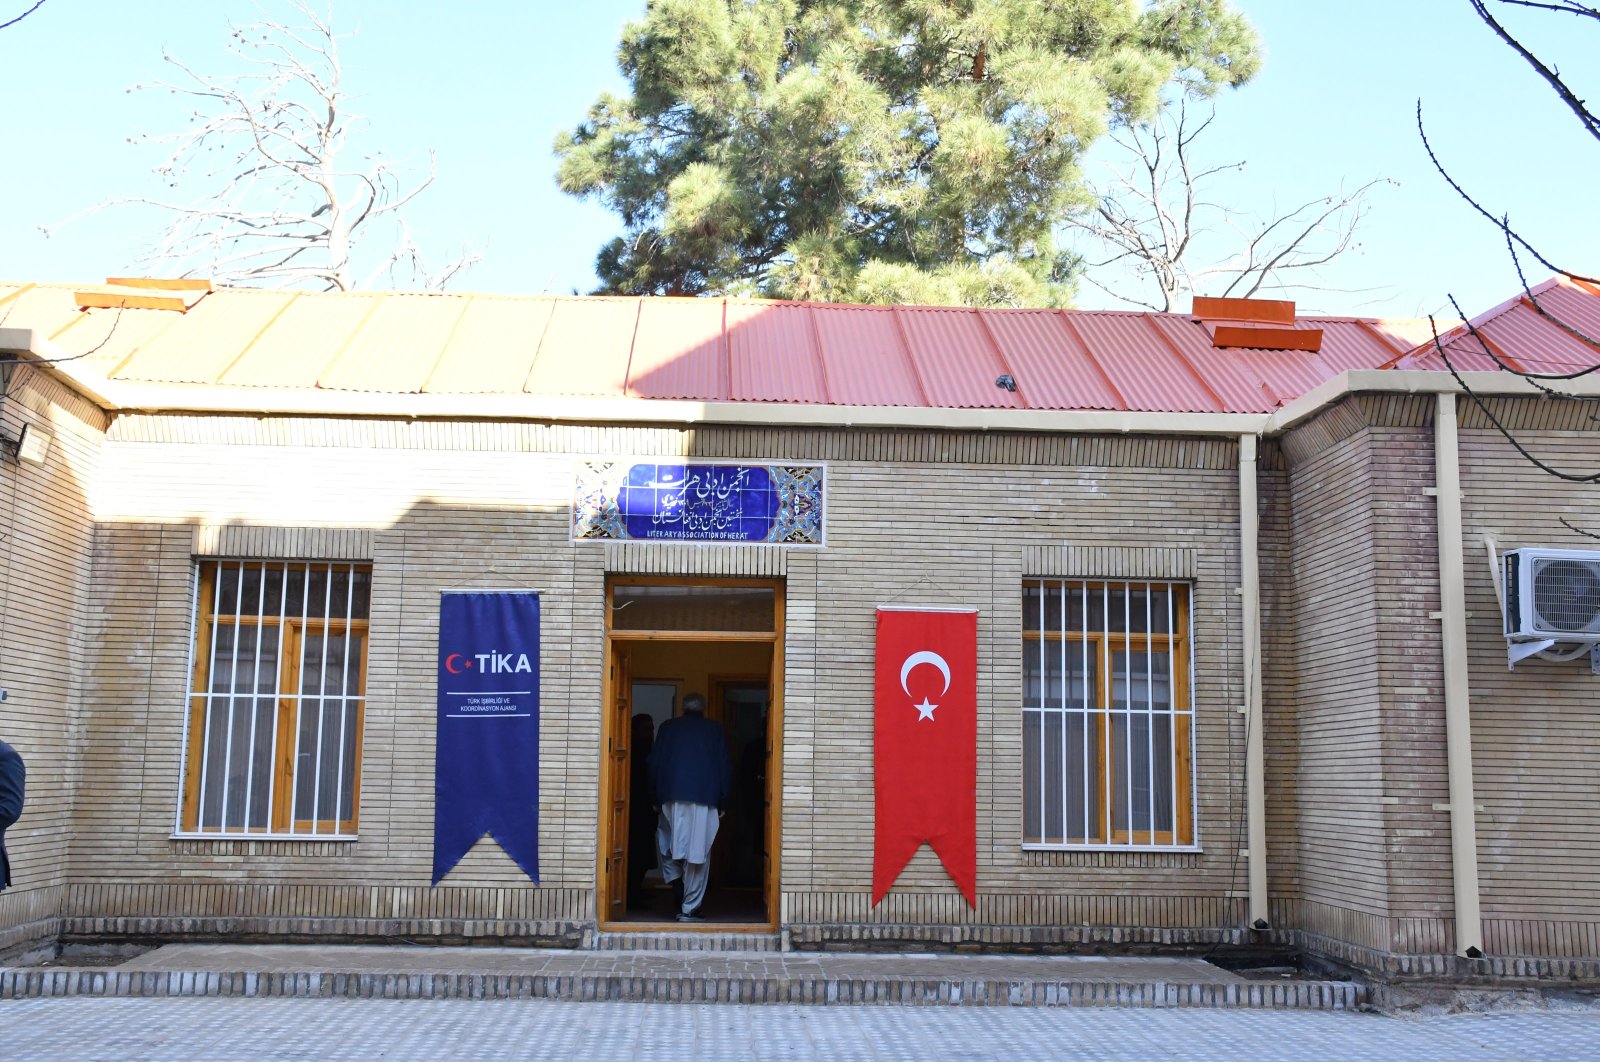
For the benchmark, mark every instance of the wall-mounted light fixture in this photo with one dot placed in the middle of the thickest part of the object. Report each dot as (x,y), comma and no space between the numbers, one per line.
(30,445)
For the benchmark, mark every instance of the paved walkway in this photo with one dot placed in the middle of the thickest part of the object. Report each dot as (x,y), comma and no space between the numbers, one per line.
(176,1030)
(415,972)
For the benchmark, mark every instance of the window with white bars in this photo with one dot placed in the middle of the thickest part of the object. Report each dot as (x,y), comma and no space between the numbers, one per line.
(276,688)
(1107,724)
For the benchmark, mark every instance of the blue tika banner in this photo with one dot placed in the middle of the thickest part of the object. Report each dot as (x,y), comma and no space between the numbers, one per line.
(486,767)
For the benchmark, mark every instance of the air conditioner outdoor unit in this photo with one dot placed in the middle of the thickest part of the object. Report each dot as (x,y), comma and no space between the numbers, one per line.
(1552,594)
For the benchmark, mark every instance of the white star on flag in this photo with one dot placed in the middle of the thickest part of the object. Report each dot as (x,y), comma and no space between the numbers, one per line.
(924,710)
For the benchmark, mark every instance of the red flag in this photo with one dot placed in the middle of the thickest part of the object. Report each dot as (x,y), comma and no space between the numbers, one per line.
(926,745)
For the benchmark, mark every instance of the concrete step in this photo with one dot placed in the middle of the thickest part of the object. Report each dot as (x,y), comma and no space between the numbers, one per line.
(709,940)
(683,976)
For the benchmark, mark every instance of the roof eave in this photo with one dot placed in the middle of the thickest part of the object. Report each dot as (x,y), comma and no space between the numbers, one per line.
(31,345)
(1415,381)
(129,396)
(171,398)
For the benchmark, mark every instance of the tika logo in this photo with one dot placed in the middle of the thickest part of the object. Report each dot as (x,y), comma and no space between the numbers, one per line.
(490,663)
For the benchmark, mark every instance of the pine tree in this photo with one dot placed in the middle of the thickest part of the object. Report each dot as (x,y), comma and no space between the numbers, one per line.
(875,150)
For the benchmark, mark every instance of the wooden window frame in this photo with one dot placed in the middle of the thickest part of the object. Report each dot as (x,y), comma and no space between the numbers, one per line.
(1175,645)
(281,822)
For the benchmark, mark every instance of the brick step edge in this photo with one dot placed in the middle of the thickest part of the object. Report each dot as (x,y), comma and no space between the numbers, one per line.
(1294,995)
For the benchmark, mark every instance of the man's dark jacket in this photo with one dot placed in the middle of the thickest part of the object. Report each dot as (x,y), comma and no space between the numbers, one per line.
(11,779)
(690,762)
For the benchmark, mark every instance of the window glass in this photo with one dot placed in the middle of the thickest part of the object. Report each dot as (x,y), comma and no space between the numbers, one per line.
(1106,721)
(276,696)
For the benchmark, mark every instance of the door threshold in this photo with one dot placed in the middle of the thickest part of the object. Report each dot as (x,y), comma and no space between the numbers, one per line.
(674,926)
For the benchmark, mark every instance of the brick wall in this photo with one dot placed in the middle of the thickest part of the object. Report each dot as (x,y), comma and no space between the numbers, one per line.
(1329,596)
(914,518)
(45,559)
(1535,755)
(1358,581)
(1359,857)
(1360,584)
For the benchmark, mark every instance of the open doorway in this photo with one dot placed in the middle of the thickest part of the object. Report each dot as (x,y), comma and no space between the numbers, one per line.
(666,639)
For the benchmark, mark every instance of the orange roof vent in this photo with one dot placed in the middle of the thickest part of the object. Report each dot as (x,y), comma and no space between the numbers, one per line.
(1277,315)
(143,293)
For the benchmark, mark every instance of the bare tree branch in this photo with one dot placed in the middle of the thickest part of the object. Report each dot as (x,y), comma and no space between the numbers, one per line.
(25,14)
(1483,407)
(1153,218)
(1517,245)
(284,207)
(1502,223)
(1591,124)
(1570,526)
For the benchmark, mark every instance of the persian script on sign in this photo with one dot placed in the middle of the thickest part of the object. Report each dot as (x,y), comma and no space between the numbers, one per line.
(698,502)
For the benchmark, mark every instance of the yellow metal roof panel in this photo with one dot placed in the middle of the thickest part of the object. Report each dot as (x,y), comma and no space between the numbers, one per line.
(396,348)
(492,348)
(297,346)
(586,348)
(105,339)
(46,310)
(215,332)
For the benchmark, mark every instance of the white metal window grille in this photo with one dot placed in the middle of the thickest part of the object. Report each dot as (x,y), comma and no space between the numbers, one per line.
(1107,723)
(277,684)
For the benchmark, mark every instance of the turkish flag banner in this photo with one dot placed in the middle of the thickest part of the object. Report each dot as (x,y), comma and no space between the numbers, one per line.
(925,740)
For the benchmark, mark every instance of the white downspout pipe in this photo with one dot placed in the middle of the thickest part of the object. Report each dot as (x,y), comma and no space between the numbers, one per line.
(1255,758)
(1457,702)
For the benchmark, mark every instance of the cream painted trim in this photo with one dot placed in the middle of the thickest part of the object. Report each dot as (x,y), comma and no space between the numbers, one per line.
(14,341)
(200,399)
(1457,703)
(1255,757)
(1411,381)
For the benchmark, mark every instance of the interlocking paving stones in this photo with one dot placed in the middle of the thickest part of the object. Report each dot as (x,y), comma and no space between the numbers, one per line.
(183,1029)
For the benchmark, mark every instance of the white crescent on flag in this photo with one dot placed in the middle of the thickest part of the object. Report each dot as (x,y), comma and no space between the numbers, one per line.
(924,657)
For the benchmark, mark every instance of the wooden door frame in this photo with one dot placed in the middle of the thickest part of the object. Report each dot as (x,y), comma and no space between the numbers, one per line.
(774,738)
(609,773)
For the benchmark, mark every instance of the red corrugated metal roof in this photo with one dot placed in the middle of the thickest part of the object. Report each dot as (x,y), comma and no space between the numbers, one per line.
(1049,363)
(864,357)
(773,354)
(1518,334)
(678,350)
(956,359)
(1146,370)
(717,350)
(1237,376)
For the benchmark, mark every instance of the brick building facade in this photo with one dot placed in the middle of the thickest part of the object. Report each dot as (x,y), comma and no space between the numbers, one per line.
(1316,617)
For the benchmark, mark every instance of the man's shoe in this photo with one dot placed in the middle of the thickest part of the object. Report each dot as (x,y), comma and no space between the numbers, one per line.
(691,916)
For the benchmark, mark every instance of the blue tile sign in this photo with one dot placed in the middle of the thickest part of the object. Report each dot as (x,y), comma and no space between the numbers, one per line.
(689,501)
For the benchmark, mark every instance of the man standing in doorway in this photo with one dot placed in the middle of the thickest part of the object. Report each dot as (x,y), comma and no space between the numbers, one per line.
(690,773)
(11,779)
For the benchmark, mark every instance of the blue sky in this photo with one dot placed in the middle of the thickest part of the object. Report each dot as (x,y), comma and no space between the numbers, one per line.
(489,84)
